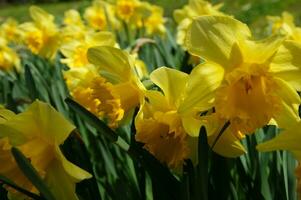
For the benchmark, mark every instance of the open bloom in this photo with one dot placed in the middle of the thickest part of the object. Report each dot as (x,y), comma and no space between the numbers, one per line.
(101,16)
(8,57)
(38,132)
(259,78)
(112,89)
(185,15)
(41,36)
(168,121)
(9,30)
(126,9)
(155,22)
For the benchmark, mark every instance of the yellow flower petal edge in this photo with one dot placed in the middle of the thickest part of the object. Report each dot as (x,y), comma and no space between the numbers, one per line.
(113,62)
(172,82)
(215,45)
(289,139)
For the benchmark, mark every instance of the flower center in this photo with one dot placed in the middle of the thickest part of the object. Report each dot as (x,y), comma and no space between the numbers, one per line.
(98,21)
(80,58)
(248,103)
(125,9)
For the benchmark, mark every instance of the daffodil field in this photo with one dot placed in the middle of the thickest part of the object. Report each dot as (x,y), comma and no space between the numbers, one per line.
(118,100)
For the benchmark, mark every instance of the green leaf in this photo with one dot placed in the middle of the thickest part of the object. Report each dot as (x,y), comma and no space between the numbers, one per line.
(31,174)
(166,185)
(202,167)
(30,83)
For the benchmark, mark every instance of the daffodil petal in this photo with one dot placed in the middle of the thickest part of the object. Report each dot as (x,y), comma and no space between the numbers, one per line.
(74,171)
(39,15)
(213,37)
(260,51)
(5,115)
(171,81)
(287,116)
(54,126)
(102,38)
(60,183)
(113,63)
(202,83)
(227,145)
(287,92)
(286,63)
(39,119)
(158,101)
(287,140)
(191,125)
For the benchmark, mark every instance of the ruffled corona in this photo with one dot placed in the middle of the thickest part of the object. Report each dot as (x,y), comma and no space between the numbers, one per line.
(126,8)
(250,99)
(110,105)
(165,139)
(35,41)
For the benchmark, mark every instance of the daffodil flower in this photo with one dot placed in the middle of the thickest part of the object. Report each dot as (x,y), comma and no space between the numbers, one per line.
(258,79)
(10,30)
(9,59)
(155,22)
(72,17)
(126,9)
(168,122)
(38,133)
(111,90)
(42,35)
(101,16)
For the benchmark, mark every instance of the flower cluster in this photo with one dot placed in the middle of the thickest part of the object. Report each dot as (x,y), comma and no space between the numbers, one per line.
(237,85)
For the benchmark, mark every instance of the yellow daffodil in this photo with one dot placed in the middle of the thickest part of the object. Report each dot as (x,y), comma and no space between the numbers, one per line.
(8,57)
(112,90)
(285,24)
(38,132)
(72,17)
(74,28)
(101,16)
(10,30)
(135,13)
(168,121)
(259,79)
(194,9)
(125,9)
(76,51)
(140,67)
(41,36)
(155,22)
